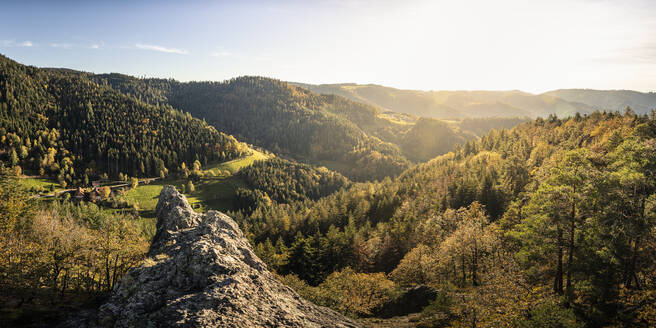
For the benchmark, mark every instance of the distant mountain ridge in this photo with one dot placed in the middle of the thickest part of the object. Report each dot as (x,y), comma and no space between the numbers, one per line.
(640,102)
(477,104)
(356,138)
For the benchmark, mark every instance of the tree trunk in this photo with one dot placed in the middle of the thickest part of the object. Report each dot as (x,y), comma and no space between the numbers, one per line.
(558,280)
(631,276)
(115,274)
(475,265)
(570,255)
(107,273)
(64,284)
(55,275)
(464,273)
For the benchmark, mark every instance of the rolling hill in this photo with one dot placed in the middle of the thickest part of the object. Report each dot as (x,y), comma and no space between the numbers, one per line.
(359,140)
(454,104)
(292,122)
(62,124)
(111,117)
(610,100)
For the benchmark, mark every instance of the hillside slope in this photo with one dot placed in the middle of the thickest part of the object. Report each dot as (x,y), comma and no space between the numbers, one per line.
(490,219)
(430,137)
(284,119)
(60,123)
(107,124)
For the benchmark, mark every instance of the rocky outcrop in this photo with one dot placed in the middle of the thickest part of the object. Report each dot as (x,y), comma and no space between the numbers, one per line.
(202,272)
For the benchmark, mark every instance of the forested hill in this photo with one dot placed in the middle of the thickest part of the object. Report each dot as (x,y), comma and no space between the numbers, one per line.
(454,104)
(156,91)
(62,124)
(551,219)
(284,119)
(354,138)
(285,181)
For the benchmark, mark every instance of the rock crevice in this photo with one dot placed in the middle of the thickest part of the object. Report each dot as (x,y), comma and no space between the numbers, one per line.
(202,272)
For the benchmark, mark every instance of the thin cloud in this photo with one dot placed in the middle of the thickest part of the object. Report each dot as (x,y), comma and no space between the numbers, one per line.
(351,4)
(263,58)
(220,54)
(12,43)
(647,52)
(97,45)
(161,49)
(637,54)
(61,45)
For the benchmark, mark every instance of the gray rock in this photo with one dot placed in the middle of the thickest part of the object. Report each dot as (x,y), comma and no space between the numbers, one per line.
(202,272)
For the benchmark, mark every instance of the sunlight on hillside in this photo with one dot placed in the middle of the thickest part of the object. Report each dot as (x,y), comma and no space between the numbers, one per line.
(339,163)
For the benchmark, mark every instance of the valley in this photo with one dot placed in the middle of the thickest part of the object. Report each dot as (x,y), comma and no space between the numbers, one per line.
(480,104)
(328,164)
(485,207)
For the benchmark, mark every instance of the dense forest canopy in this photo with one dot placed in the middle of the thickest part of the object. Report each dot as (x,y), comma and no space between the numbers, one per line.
(562,207)
(284,181)
(350,137)
(62,124)
(430,137)
(284,119)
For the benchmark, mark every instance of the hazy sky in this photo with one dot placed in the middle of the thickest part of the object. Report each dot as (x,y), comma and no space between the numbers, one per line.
(431,45)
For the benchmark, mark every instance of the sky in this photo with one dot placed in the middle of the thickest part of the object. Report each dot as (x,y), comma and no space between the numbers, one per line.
(533,46)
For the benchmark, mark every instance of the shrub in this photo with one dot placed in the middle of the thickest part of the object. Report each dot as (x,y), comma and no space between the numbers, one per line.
(419,266)
(355,294)
(438,312)
(550,315)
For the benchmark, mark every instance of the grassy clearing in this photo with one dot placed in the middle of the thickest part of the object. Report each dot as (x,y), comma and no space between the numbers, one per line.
(39,183)
(236,164)
(398,118)
(214,193)
(147,195)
